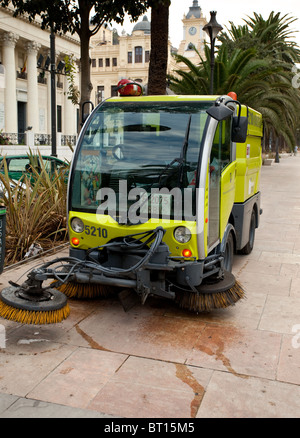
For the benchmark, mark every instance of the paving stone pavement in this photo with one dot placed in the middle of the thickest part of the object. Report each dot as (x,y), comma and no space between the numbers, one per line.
(157,361)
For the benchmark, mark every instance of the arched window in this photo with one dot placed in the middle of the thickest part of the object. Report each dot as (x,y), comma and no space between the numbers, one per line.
(138,54)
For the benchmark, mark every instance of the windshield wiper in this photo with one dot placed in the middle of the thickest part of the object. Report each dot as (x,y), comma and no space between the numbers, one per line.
(176,160)
(184,149)
(179,160)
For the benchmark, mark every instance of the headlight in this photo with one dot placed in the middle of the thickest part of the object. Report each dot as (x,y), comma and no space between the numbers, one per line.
(182,234)
(77,225)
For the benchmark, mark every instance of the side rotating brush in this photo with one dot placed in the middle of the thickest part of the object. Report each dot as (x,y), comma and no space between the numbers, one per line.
(211,296)
(29,303)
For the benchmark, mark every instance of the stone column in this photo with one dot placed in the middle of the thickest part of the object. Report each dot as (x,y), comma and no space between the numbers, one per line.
(32,86)
(9,40)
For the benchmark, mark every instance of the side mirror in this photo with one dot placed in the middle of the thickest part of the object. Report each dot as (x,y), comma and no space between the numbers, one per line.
(239,129)
(219,112)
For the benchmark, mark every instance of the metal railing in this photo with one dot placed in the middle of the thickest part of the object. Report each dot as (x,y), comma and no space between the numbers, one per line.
(39,139)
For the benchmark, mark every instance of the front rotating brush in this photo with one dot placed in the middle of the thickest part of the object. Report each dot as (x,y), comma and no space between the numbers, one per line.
(29,305)
(83,291)
(210,296)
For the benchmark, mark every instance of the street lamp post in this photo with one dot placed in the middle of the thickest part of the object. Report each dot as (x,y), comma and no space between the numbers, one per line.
(212,29)
(50,61)
(53,94)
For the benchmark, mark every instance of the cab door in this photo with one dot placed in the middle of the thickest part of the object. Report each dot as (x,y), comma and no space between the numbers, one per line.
(222,174)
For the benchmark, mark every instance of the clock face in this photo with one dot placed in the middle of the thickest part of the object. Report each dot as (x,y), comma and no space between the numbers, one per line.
(192,30)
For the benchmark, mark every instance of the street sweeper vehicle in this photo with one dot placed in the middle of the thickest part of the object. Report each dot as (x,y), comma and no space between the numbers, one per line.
(162,191)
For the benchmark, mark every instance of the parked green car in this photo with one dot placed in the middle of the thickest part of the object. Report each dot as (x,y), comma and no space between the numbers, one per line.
(19,165)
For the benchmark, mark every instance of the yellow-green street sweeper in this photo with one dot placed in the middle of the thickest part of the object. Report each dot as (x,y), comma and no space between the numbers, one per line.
(162,191)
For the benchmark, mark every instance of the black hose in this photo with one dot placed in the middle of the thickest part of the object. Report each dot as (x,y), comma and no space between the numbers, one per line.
(75,265)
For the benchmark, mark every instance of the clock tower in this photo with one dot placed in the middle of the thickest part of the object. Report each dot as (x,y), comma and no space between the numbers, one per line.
(193,35)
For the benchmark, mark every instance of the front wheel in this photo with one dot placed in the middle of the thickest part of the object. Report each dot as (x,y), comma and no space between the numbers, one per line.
(229,253)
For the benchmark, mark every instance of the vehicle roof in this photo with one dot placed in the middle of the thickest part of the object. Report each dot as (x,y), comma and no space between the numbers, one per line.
(28,156)
(164,98)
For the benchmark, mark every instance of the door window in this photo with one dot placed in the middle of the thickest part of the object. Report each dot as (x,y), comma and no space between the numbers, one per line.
(220,157)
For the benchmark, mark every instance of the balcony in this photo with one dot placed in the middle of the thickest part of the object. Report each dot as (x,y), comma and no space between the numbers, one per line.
(21,75)
(42,80)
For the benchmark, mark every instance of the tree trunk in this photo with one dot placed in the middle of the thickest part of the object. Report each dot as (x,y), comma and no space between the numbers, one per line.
(85,64)
(159,50)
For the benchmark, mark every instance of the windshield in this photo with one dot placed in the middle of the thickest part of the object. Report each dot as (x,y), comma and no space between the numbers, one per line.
(139,158)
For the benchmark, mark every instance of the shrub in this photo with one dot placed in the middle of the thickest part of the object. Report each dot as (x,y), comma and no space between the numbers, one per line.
(3,138)
(35,211)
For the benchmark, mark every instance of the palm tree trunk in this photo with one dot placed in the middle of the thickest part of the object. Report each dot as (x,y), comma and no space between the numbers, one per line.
(85,67)
(159,49)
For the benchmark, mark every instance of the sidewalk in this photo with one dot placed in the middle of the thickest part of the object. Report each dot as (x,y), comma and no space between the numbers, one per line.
(157,361)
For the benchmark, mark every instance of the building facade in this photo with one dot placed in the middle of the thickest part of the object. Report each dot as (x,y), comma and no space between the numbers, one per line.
(25,85)
(114,57)
(193,35)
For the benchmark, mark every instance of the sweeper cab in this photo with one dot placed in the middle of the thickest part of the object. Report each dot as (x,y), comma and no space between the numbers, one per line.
(162,191)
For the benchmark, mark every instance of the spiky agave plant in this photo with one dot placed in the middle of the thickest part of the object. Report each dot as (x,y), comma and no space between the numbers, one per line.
(35,211)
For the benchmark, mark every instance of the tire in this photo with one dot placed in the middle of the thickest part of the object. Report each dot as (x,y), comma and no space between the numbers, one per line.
(229,253)
(249,247)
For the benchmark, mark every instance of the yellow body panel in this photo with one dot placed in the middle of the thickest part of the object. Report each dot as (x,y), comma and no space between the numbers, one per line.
(206,213)
(100,229)
(248,158)
(164,98)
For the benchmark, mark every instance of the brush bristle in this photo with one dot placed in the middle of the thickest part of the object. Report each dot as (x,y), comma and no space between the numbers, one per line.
(83,290)
(33,317)
(208,302)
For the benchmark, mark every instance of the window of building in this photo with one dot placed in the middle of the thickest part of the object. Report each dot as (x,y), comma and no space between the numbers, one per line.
(114,62)
(100,62)
(129,57)
(99,93)
(138,54)
(59,120)
(114,90)
(115,37)
(107,62)
(191,46)
(78,120)
(93,62)
(147,55)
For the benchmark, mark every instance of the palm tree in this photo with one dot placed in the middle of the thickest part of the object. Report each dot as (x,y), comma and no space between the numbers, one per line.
(241,72)
(274,35)
(270,37)
(255,61)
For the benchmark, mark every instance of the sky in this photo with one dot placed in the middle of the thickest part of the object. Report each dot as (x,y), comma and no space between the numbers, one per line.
(230,10)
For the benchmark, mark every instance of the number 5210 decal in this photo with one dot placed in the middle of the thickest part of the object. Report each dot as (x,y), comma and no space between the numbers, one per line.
(95,232)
